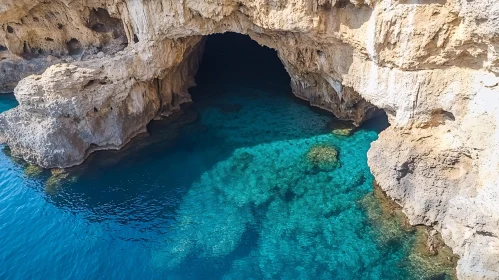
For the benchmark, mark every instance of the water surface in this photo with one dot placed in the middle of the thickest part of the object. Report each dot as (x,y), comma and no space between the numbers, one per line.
(243,185)
(7,101)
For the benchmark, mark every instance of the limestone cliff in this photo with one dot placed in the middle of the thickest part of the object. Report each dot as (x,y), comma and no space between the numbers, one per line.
(431,65)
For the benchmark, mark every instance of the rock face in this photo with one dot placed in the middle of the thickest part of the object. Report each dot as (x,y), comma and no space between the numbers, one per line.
(431,65)
(72,110)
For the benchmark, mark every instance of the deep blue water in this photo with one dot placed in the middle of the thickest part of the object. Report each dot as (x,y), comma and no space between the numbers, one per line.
(227,190)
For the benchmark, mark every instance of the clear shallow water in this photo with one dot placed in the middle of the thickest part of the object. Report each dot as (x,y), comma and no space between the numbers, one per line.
(226,191)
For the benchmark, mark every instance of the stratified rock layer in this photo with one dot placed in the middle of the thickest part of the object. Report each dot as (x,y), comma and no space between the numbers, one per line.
(431,65)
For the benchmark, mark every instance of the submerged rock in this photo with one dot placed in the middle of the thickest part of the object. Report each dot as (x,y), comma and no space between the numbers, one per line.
(33,170)
(341,128)
(58,178)
(323,156)
(429,257)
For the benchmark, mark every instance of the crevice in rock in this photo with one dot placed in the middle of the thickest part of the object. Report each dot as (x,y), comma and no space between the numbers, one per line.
(486,233)
(438,117)
(342,3)
(405,169)
(29,52)
(446,115)
(74,47)
(89,84)
(101,21)
(95,82)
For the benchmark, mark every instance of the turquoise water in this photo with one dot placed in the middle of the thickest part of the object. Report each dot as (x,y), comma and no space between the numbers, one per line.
(7,101)
(231,189)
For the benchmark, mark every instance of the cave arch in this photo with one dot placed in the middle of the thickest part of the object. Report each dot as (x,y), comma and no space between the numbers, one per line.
(232,50)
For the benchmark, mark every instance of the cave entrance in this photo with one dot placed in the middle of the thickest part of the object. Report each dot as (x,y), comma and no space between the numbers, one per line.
(234,62)
(234,67)
(235,58)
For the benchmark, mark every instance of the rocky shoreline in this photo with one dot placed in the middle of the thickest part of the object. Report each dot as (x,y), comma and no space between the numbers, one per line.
(432,66)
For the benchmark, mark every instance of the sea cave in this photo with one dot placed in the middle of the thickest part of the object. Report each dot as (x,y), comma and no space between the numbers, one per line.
(247,181)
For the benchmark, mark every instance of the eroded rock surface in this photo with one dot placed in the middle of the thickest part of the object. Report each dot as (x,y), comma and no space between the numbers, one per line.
(431,65)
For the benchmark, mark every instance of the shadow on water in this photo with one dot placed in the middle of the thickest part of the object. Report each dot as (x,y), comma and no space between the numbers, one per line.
(157,168)
(376,124)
